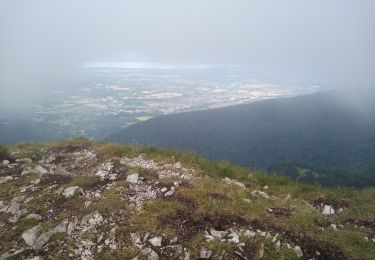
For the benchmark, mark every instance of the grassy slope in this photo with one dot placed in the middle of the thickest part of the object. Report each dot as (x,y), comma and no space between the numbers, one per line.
(206,197)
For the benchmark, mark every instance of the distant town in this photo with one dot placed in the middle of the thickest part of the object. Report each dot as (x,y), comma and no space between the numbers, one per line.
(111,98)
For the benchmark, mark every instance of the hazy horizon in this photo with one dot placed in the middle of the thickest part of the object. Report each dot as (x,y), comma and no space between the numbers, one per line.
(44,44)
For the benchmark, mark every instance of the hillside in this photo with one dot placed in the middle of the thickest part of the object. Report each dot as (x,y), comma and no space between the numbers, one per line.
(81,200)
(318,130)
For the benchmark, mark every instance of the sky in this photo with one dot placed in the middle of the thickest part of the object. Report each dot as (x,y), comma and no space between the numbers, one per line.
(43,43)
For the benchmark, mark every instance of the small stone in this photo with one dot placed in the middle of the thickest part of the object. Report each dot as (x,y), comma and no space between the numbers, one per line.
(298,251)
(5,179)
(205,254)
(112,177)
(6,162)
(334,227)
(87,204)
(258,193)
(41,241)
(275,238)
(37,169)
(230,181)
(155,241)
(277,244)
(249,233)
(153,256)
(132,178)
(164,189)
(169,193)
(34,216)
(30,235)
(70,191)
(216,234)
(261,251)
(328,210)
(234,237)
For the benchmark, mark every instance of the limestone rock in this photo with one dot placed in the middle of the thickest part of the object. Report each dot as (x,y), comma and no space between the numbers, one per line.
(156,241)
(205,254)
(30,235)
(34,216)
(298,251)
(132,178)
(6,162)
(70,191)
(328,210)
(5,179)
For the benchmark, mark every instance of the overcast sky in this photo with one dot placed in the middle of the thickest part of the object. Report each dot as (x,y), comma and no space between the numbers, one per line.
(42,43)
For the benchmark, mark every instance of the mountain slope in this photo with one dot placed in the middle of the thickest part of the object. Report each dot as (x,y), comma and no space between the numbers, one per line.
(83,200)
(317,130)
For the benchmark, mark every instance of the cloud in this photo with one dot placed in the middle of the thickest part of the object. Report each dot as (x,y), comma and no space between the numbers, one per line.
(43,43)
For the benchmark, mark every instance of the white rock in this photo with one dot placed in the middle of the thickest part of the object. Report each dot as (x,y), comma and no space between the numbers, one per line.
(112,177)
(132,178)
(5,179)
(230,181)
(155,241)
(164,189)
(275,238)
(334,227)
(177,165)
(258,193)
(60,228)
(6,162)
(70,191)
(261,251)
(216,234)
(249,233)
(234,237)
(37,169)
(169,193)
(205,254)
(96,219)
(25,160)
(71,226)
(35,258)
(87,204)
(34,216)
(41,241)
(153,256)
(277,244)
(30,235)
(328,210)
(298,251)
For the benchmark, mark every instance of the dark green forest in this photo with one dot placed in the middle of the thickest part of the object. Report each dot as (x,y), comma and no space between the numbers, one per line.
(319,131)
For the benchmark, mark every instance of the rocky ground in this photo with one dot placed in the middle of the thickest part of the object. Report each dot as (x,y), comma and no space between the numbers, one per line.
(78,200)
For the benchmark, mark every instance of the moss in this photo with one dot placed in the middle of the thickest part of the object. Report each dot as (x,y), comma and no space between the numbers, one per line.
(4,154)
(57,237)
(85,182)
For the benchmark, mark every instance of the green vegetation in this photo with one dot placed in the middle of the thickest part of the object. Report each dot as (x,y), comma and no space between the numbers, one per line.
(3,153)
(312,138)
(290,209)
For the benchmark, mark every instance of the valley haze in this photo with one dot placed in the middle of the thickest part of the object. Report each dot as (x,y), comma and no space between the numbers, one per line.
(189,129)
